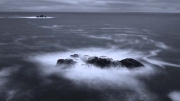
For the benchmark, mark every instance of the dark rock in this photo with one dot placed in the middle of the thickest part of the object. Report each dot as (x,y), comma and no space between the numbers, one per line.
(66,62)
(102,62)
(41,16)
(75,55)
(130,63)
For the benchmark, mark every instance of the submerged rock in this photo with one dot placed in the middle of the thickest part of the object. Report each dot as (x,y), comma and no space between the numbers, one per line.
(101,62)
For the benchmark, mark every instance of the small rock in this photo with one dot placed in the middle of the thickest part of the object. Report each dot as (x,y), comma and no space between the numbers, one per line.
(75,55)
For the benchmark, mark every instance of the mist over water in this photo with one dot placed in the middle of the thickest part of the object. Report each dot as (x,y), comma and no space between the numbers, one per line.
(30,48)
(174,96)
(92,77)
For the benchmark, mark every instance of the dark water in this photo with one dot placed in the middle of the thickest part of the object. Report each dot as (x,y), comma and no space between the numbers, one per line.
(30,47)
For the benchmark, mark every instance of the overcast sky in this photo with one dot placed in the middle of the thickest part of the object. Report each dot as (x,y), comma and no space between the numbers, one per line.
(90,5)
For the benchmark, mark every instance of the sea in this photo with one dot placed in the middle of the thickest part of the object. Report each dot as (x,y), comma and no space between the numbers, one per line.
(31,46)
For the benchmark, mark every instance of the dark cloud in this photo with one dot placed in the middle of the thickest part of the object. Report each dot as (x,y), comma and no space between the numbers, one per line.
(91,5)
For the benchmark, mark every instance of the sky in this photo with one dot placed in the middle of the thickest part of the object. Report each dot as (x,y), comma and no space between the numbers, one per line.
(90,5)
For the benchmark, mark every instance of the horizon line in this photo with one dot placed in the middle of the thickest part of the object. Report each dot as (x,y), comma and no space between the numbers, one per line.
(86,12)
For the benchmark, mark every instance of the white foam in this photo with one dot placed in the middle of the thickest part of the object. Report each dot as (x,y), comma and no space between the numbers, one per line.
(111,28)
(174,96)
(99,37)
(117,54)
(10,95)
(20,39)
(156,61)
(129,35)
(159,44)
(4,76)
(108,28)
(161,63)
(6,72)
(97,78)
(42,36)
(82,73)
(112,53)
(53,26)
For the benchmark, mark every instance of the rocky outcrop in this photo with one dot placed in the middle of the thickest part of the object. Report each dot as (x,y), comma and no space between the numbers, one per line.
(130,63)
(42,16)
(101,62)
(66,62)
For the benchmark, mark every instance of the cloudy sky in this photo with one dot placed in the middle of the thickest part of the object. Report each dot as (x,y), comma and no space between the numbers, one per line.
(91,5)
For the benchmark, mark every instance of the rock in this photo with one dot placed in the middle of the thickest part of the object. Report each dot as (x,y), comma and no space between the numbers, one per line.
(66,62)
(102,62)
(41,16)
(130,63)
(75,55)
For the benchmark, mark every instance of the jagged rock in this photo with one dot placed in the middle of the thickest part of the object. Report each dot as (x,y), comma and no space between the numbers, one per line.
(66,62)
(130,63)
(102,62)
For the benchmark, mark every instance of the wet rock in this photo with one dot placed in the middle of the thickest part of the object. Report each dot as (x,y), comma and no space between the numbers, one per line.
(75,55)
(65,62)
(102,62)
(130,63)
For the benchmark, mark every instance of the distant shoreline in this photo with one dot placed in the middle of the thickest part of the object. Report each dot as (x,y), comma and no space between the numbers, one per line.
(103,12)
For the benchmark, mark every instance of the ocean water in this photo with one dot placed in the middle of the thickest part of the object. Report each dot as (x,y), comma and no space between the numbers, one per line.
(30,48)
